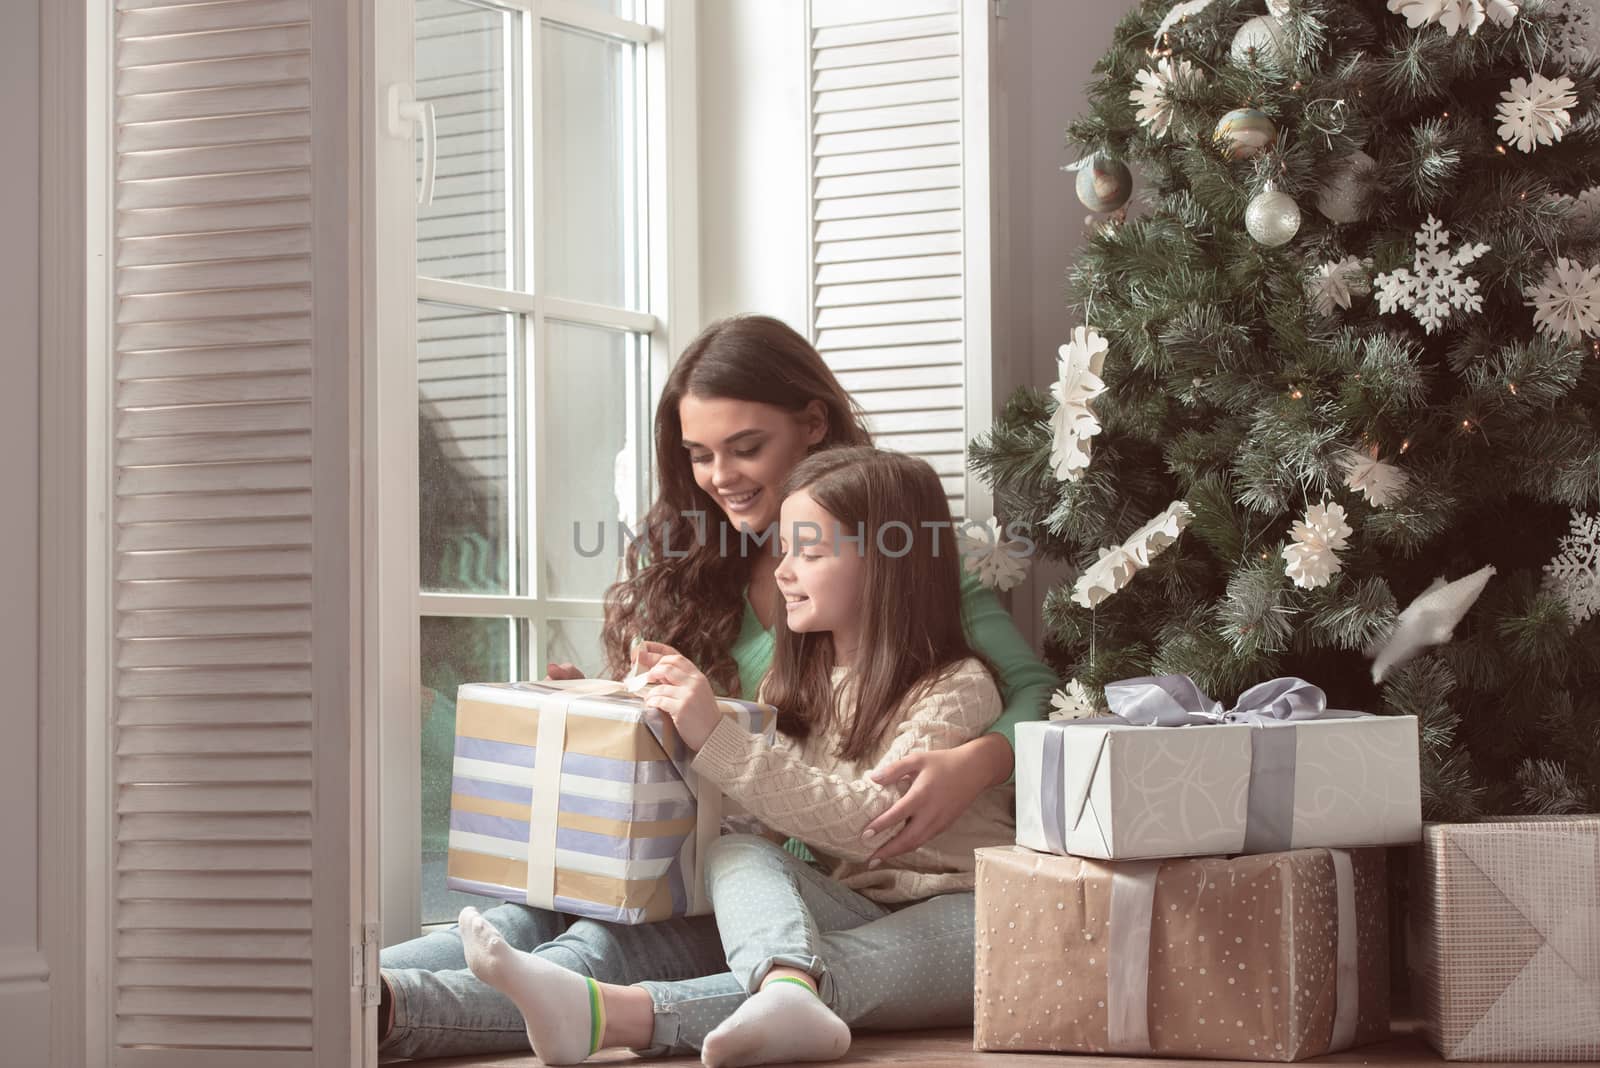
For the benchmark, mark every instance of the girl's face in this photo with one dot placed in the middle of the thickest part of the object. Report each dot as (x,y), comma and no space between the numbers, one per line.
(741,451)
(820,575)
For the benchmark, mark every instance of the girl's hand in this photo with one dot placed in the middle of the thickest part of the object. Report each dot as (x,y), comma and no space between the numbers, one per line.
(944,783)
(681,691)
(562,671)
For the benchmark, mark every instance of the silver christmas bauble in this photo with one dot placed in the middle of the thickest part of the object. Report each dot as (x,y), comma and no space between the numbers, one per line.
(1104,184)
(1261,39)
(1340,197)
(1273,218)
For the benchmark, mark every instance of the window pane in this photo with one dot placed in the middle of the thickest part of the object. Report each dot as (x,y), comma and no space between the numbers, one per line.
(454,651)
(625,9)
(592,160)
(468,67)
(573,641)
(465,370)
(592,437)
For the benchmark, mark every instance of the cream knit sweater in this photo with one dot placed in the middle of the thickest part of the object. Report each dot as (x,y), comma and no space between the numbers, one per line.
(802,788)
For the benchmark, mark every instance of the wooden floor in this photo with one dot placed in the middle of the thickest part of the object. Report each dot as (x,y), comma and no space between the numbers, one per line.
(953,1049)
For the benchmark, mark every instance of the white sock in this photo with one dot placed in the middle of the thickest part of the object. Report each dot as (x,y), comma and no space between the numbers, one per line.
(783,1021)
(562,1009)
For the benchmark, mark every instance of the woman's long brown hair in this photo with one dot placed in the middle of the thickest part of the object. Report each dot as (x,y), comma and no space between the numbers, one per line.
(694,602)
(911,631)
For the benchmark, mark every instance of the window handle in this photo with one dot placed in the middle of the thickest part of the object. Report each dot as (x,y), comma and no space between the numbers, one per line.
(405,113)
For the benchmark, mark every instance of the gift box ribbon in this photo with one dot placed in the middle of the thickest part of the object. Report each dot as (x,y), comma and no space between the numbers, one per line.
(1176,701)
(550,748)
(1133,895)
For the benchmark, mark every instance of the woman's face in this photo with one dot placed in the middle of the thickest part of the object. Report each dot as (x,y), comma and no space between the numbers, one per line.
(741,452)
(820,574)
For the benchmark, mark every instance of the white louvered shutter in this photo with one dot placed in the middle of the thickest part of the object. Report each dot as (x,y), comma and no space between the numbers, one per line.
(230,920)
(899,220)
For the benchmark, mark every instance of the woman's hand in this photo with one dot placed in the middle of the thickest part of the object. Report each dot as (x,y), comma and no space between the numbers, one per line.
(680,690)
(944,783)
(562,671)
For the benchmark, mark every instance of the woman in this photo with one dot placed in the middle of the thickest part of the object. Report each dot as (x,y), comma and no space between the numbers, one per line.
(745,403)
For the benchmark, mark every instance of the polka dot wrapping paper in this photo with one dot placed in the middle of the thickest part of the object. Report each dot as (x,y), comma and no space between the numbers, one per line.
(1506,917)
(1237,958)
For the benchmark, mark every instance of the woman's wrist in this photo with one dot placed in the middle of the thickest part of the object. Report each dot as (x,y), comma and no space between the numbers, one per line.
(998,758)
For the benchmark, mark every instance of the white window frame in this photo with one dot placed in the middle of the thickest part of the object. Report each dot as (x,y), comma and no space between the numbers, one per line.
(669,319)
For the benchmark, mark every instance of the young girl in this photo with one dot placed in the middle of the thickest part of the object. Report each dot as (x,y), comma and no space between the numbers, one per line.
(871,664)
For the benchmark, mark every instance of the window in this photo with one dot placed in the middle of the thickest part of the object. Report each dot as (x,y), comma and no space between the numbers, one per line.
(541,325)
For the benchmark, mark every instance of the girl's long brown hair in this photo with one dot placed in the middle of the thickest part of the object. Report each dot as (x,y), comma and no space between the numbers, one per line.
(911,631)
(693,602)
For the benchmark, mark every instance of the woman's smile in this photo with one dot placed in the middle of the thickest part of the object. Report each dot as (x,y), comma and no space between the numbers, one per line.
(739,503)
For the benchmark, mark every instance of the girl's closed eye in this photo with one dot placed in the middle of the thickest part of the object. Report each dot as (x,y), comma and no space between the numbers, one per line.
(743,454)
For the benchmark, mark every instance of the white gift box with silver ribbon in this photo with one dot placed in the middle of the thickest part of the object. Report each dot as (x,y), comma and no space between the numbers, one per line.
(1173,774)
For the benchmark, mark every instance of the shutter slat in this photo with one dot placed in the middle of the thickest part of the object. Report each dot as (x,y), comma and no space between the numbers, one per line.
(914,311)
(180,682)
(275,532)
(192,162)
(290,446)
(945,66)
(937,223)
(205,478)
(213,389)
(944,397)
(859,185)
(185,593)
(842,12)
(213,767)
(182,19)
(189,739)
(930,134)
(226,275)
(209,1001)
(879,118)
(294,124)
(212,248)
(879,293)
(885,97)
(211,73)
(206,710)
(889,270)
(192,797)
(228,652)
(214,506)
(861,383)
(289,975)
(219,563)
(861,33)
(888,204)
(200,103)
(239,220)
(888,52)
(876,337)
(171,1030)
(903,159)
(947,354)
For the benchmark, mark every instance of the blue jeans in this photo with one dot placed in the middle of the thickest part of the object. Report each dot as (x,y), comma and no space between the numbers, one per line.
(442,1010)
(878,968)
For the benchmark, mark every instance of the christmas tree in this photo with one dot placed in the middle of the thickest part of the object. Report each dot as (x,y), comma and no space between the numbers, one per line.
(1334,410)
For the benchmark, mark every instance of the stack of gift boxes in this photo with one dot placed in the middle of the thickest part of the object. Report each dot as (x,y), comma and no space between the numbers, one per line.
(1195,882)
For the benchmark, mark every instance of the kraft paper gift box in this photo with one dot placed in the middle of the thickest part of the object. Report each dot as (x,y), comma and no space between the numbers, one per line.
(1506,922)
(1272,957)
(1172,774)
(573,796)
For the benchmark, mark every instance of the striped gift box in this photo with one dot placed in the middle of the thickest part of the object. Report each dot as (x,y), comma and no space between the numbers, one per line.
(571,795)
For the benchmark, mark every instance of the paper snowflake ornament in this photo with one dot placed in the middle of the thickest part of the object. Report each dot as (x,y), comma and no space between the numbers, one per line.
(1429,620)
(1073,702)
(1315,542)
(1567,302)
(1158,87)
(1434,287)
(1586,209)
(1118,564)
(1335,285)
(1277,8)
(1380,483)
(1453,15)
(1179,12)
(1536,111)
(1074,423)
(1574,574)
(998,562)
(1576,35)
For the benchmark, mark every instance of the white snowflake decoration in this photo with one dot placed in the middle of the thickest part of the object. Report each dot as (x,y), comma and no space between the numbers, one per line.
(1567,302)
(999,563)
(1382,484)
(1335,284)
(1074,423)
(1574,574)
(1316,540)
(1277,8)
(1536,111)
(1434,286)
(1454,15)
(1117,564)
(1179,12)
(1586,211)
(1158,87)
(1578,30)
(1073,702)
